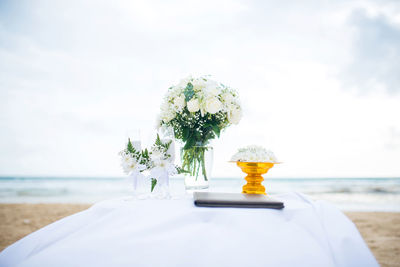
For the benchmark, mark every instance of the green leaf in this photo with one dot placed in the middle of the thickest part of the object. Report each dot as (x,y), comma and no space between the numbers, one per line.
(216,130)
(209,135)
(145,154)
(167,145)
(189,86)
(191,142)
(158,141)
(185,134)
(180,170)
(188,92)
(153,183)
(130,146)
(197,135)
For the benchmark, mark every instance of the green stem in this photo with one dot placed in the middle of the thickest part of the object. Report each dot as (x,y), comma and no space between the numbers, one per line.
(204,165)
(193,161)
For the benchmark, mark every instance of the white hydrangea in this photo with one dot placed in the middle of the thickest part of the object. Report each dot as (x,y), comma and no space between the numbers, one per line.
(254,153)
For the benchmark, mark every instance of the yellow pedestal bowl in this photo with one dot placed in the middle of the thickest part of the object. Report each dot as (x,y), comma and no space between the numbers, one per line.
(254,170)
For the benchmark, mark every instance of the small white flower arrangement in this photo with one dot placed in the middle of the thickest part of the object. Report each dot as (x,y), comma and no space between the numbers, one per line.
(159,161)
(254,153)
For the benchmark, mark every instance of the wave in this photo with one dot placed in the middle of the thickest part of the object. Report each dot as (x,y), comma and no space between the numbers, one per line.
(372,194)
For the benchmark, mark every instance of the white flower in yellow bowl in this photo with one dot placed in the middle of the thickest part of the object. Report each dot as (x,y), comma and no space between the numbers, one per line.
(254,161)
(254,153)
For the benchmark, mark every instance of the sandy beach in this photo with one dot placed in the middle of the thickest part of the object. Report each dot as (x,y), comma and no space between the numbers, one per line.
(381,230)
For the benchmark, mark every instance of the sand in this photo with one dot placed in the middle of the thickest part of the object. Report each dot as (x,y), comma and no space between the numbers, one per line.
(381,230)
(19,220)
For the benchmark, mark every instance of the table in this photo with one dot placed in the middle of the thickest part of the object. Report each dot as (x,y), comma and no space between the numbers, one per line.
(121,232)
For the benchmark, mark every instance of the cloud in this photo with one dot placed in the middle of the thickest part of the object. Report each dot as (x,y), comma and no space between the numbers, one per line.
(393,139)
(376,53)
(77,75)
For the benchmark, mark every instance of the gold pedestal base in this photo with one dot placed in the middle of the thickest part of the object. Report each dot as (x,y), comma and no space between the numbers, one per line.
(254,170)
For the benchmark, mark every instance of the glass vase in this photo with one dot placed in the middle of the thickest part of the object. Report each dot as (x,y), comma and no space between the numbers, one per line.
(145,187)
(197,163)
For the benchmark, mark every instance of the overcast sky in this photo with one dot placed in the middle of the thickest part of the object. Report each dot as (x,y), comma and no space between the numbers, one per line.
(319,81)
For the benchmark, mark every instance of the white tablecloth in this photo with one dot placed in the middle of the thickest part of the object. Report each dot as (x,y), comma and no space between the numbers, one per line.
(176,233)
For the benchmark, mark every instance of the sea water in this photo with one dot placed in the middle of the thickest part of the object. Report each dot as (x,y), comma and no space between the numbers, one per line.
(350,194)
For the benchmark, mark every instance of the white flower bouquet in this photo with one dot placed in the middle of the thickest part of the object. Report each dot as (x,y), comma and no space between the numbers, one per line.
(254,153)
(159,161)
(198,109)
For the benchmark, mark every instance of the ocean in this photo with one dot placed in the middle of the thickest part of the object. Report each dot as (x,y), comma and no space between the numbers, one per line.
(349,194)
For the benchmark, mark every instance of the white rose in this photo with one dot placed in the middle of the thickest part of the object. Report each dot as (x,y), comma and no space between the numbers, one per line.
(213,105)
(229,107)
(212,90)
(193,105)
(165,105)
(167,112)
(179,102)
(158,122)
(227,97)
(235,115)
(168,116)
(183,83)
(198,84)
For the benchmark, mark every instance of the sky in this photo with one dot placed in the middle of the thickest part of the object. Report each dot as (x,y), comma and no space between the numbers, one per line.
(319,81)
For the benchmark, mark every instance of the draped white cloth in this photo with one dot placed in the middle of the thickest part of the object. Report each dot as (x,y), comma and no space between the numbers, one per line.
(176,233)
